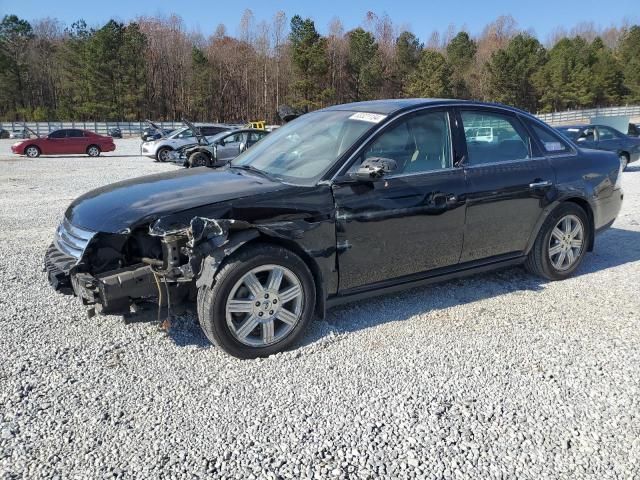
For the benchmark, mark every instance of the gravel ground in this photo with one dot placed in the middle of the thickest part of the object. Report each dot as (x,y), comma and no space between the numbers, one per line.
(497,376)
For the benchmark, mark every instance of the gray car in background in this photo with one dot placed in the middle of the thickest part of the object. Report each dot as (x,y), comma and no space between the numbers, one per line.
(603,137)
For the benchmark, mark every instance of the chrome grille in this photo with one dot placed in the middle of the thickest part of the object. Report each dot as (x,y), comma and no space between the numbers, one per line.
(72,240)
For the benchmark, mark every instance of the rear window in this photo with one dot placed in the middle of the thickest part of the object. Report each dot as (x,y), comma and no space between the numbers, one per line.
(551,143)
(206,131)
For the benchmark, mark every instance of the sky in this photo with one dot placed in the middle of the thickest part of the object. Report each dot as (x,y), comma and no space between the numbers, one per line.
(421,16)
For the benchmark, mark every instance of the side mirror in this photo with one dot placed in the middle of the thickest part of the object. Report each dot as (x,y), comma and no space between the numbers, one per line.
(375,167)
(242,147)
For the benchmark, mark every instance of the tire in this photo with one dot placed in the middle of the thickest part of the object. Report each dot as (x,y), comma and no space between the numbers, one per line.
(624,160)
(269,333)
(555,266)
(198,159)
(32,151)
(93,151)
(161,154)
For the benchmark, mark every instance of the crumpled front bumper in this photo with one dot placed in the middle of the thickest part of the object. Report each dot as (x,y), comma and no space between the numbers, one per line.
(58,265)
(112,292)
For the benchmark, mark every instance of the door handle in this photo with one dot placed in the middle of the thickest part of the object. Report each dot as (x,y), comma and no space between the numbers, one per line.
(541,184)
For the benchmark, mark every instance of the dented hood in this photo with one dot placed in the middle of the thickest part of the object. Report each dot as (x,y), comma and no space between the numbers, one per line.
(117,207)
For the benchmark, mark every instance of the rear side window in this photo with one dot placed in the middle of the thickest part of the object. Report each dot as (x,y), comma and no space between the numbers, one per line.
(551,143)
(606,133)
(207,131)
(75,133)
(493,137)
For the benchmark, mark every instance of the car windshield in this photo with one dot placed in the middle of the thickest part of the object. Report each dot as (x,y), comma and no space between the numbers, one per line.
(181,133)
(303,150)
(218,136)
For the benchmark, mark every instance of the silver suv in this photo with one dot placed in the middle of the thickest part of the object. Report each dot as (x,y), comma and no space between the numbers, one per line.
(161,148)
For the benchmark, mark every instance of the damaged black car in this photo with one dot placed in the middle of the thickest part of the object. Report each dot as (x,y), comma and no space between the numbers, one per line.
(339,204)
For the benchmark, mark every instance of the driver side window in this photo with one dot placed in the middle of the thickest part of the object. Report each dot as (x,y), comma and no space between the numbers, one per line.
(418,143)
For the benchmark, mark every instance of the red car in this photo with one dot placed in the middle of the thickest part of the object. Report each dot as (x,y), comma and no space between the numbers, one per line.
(65,141)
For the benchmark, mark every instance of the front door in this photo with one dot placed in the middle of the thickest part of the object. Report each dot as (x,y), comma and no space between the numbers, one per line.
(54,143)
(410,221)
(507,182)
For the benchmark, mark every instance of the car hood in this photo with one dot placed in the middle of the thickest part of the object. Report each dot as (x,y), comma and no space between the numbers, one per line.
(124,205)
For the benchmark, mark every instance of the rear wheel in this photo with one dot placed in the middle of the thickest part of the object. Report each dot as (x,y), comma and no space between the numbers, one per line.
(624,161)
(163,154)
(261,302)
(198,159)
(561,244)
(32,151)
(93,151)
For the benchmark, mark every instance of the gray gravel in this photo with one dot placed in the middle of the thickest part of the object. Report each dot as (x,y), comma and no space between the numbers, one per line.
(496,376)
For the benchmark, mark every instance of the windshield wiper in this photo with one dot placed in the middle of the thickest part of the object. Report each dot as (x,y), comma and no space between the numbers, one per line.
(251,168)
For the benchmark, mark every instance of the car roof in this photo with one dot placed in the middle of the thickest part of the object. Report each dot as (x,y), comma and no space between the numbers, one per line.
(397,105)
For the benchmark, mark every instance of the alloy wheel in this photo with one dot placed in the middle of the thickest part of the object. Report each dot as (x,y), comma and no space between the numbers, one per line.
(32,152)
(264,306)
(566,242)
(93,151)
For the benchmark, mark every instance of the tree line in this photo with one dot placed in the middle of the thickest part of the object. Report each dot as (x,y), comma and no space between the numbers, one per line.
(154,68)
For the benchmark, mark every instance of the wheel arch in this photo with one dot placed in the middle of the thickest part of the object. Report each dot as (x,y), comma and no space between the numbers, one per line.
(245,239)
(577,200)
(314,268)
(24,150)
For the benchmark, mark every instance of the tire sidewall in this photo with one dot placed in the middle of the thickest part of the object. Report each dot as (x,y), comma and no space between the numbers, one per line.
(213,318)
(32,147)
(562,211)
(624,160)
(160,152)
(198,155)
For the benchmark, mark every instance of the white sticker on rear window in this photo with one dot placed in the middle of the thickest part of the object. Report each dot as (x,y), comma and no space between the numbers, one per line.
(553,146)
(368,117)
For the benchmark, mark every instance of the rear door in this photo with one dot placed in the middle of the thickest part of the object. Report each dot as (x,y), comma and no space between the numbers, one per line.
(76,142)
(610,139)
(507,180)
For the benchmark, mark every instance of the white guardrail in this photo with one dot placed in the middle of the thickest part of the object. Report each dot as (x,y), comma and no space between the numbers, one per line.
(127,128)
(584,116)
(135,128)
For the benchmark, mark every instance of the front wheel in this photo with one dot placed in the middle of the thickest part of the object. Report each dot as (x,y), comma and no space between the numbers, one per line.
(163,154)
(198,159)
(261,302)
(32,151)
(561,244)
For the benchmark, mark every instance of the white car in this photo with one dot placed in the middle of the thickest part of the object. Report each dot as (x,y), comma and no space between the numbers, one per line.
(161,148)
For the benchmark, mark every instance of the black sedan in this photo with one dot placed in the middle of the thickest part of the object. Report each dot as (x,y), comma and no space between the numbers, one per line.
(340,204)
(602,137)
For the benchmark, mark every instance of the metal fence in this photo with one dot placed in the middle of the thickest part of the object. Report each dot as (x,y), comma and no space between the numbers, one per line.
(127,128)
(135,128)
(584,116)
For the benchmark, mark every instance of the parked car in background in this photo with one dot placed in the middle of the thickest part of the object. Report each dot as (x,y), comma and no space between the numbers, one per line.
(4,133)
(22,133)
(65,141)
(341,204)
(218,149)
(603,137)
(148,134)
(115,132)
(161,148)
(634,130)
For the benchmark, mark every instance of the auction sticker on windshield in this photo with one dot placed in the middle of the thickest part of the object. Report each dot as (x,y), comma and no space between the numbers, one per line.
(368,117)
